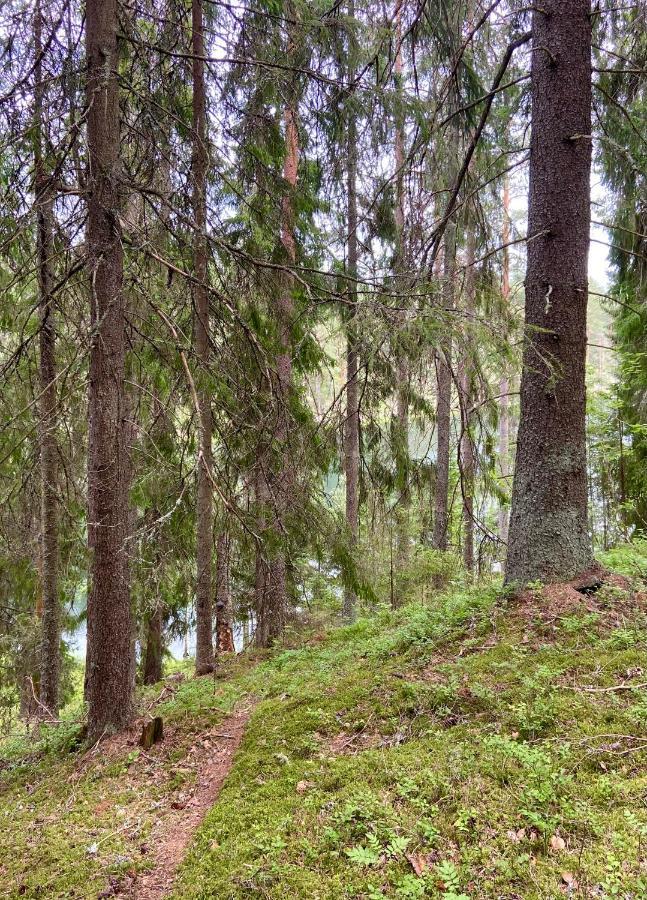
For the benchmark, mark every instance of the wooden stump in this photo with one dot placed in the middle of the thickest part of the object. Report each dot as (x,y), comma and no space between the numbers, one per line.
(152,732)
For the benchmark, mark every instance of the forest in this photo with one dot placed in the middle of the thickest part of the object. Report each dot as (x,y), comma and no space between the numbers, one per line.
(323,449)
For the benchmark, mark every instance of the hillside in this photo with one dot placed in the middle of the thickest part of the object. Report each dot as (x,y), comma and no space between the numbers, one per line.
(478,746)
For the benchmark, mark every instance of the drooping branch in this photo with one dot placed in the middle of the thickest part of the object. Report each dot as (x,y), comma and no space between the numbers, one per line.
(489,99)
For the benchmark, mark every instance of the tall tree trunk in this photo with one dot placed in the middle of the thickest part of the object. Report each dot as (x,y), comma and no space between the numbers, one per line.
(402,461)
(549,538)
(44,200)
(352,423)
(154,644)
(443,401)
(466,447)
(622,475)
(443,360)
(605,511)
(109,686)
(504,384)
(224,611)
(282,474)
(402,362)
(261,593)
(154,620)
(204,512)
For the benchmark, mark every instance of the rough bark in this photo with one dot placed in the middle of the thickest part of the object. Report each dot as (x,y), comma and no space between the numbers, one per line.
(108,666)
(466,447)
(48,409)
(204,513)
(154,616)
(504,384)
(130,440)
(443,402)
(283,480)
(279,481)
(549,537)
(352,422)
(402,361)
(263,611)
(402,465)
(224,609)
(152,732)
(154,645)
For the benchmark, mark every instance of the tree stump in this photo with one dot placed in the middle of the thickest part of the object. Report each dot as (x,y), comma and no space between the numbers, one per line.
(152,732)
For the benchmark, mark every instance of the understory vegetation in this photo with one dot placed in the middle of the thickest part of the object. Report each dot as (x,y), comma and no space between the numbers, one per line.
(323,497)
(477,745)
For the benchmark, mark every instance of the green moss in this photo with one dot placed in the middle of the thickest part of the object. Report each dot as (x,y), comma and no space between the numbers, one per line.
(73,821)
(441,750)
(627,559)
(464,748)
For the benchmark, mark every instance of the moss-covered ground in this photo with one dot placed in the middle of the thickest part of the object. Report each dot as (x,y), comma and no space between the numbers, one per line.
(474,746)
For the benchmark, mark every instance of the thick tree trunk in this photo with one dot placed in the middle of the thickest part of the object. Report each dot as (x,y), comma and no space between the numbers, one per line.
(154,620)
(44,201)
(283,480)
(204,512)
(443,402)
(154,644)
(281,468)
(549,537)
(109,687)
(224,610)
(504,384)
(402,362)
(402,464)
(466,447)
(130,438)
(263,611)
(352,423)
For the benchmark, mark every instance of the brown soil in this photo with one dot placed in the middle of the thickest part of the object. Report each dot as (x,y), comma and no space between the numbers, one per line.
(211,759)
(344,744)
(594,591)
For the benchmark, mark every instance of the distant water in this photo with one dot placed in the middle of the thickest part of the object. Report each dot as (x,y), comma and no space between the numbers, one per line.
(77,641)
(179,646)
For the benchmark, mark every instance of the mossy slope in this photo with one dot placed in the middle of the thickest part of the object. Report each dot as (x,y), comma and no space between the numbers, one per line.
(471,747)
(461,750)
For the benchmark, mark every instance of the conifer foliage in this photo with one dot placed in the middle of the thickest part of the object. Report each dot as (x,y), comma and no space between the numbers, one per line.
(294,319)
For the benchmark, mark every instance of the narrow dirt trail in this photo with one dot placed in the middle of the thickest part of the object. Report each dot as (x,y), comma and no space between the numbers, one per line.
(212,759)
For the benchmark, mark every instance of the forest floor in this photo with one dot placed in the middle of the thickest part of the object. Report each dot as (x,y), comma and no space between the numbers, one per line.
(476,746)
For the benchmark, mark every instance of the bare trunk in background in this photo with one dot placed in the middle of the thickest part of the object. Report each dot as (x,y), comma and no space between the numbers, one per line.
(154,618)
(466,445)
(549,538)
(504,384)
(443,360)
(352,423)
(154,645)
(402,361)
(283,475)
(277,484)
(443,400)
(224,608)
(261,595)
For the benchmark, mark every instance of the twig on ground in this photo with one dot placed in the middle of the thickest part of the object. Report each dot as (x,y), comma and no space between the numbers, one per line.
(614,687)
